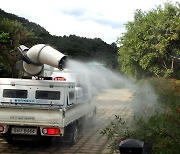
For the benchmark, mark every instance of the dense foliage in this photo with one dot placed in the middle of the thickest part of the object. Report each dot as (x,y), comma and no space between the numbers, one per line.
(151,48)
(12,33)
(151,44)
(160,132)
(15,30)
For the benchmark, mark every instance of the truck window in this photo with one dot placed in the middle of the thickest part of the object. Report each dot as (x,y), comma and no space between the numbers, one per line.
(14,93)
(49,95)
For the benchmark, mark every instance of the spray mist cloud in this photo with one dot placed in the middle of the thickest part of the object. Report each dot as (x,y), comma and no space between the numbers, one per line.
(102,78)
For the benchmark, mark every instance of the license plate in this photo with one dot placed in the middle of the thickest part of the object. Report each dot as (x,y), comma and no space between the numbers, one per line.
(24,131)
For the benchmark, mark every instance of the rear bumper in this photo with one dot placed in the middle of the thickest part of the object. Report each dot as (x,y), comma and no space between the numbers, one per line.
(7,130)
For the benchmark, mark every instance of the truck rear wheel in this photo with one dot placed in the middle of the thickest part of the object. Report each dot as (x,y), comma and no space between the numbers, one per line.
(9,138)
(74,131)
(71,133)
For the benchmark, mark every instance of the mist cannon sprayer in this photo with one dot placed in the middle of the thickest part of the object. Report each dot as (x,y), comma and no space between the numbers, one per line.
(49,99)
(38,55)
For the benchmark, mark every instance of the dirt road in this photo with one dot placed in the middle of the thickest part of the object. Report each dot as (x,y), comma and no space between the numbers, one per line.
(109,103)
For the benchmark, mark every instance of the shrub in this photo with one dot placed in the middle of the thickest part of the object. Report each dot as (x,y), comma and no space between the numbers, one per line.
(160,132)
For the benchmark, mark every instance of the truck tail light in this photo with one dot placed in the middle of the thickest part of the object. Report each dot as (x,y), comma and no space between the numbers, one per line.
(51,131)
(1,128)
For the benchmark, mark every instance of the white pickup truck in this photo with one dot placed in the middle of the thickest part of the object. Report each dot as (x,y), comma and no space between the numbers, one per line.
(44,106)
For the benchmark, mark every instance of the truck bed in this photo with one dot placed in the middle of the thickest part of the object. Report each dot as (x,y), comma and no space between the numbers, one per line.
(31,116)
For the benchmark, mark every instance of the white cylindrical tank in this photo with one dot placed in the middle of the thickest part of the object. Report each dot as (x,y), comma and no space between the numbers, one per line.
(42,54)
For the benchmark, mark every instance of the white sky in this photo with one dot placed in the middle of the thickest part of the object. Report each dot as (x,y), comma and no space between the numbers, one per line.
(103,19)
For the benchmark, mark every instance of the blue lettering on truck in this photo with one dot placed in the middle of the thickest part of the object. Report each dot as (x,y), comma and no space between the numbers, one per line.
(30,101)
(24,101)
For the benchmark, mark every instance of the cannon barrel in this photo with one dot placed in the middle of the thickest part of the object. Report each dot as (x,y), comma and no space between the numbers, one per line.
(40,54)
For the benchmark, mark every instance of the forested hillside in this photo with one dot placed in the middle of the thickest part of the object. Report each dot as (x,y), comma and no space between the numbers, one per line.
(16,30)
(37,29)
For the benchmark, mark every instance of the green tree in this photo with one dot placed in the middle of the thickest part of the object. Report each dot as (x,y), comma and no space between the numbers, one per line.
(12,33)
(18,34)
(4,37)
(151,44)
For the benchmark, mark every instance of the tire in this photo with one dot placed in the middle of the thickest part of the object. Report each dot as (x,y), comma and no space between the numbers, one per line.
(9,138)
(74,131)
(71,133)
